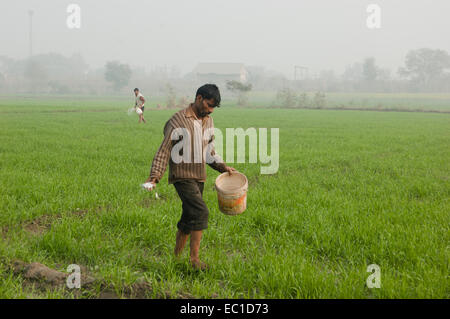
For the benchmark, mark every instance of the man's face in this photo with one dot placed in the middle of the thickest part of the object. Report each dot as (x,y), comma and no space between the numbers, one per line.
(204,106)
(136,92)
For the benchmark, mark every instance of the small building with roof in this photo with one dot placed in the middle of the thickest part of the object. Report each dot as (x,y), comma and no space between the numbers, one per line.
(220,73)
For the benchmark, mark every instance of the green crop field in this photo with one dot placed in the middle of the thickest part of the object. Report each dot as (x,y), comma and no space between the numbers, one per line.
(353,188)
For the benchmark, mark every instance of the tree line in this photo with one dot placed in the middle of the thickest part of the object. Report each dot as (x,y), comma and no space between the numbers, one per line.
(423,70)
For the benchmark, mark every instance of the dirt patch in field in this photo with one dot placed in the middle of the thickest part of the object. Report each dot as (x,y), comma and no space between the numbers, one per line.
(142,289)
(139,290)
(45,277)
(43,223)
(184,295)
(149,202)
(40,277)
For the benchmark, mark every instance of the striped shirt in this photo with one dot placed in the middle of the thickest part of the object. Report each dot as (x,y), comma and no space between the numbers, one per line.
(199,140)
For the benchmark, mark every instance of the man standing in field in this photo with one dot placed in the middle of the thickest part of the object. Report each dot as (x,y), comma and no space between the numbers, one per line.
(139,105)
(188,174)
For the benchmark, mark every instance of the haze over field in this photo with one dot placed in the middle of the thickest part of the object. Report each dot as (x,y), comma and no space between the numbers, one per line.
(321,34)
(354,205)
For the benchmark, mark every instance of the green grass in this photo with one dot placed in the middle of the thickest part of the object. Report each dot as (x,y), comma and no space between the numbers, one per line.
(354,188)
(423,102)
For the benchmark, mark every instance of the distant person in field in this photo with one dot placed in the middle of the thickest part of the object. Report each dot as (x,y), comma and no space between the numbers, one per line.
(189,177)
(140,101)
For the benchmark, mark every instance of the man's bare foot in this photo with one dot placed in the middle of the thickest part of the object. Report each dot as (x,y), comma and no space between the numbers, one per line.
(199,265)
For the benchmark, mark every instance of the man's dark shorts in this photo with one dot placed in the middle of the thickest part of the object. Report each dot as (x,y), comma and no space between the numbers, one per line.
(195,213)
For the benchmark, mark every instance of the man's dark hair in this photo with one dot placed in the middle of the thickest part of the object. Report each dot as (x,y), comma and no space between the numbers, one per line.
(209,91)
(136,89)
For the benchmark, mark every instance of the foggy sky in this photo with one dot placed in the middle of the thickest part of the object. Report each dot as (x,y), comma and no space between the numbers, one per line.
(319,34)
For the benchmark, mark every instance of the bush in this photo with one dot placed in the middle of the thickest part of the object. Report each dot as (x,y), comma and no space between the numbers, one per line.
(241,90)
(58,88)
(303,100)
(286,98)
(171,96)
(319,100)
(183,102)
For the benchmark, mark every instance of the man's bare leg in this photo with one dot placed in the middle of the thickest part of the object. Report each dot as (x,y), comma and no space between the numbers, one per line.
(181,241)
(143,119)
(196,237)
(140,118)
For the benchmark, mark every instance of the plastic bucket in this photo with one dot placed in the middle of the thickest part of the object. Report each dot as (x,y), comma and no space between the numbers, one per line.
(232,193)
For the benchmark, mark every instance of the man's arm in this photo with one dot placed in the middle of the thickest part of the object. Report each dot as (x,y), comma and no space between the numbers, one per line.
(143,100)
(162,156)
(217,162)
